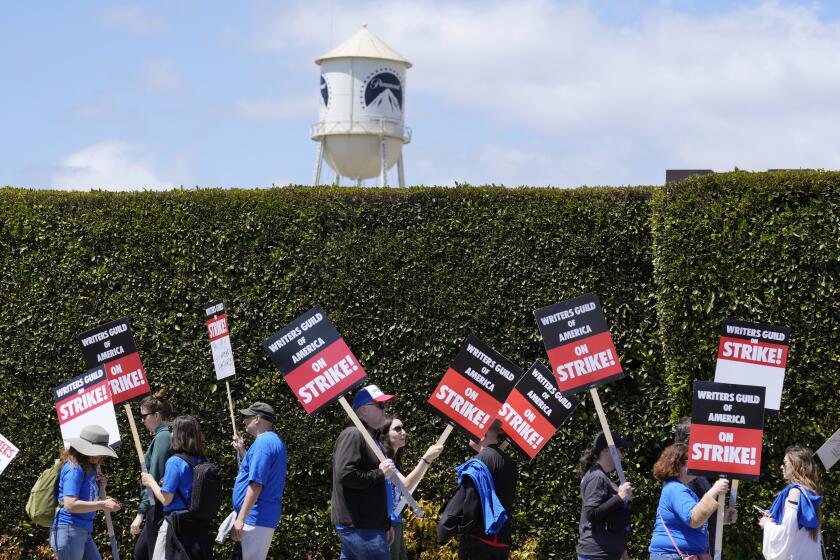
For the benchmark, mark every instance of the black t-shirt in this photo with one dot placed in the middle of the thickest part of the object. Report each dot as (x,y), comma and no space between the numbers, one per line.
(604,518)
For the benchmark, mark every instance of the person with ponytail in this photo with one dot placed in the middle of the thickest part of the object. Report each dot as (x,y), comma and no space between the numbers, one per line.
(792,528)
(155,413)
(605,514)
(393,437)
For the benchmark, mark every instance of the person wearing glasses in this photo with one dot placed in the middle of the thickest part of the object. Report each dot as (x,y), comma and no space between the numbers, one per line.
(155,412)
(393,439)
(258,490)
(362,498)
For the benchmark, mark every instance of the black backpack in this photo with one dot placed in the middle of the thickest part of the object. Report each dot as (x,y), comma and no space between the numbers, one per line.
(206,498)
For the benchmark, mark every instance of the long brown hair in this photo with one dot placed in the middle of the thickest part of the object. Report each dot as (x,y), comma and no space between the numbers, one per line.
(385,440)
(77,458)
(804,471)
(186,436)
(587,459)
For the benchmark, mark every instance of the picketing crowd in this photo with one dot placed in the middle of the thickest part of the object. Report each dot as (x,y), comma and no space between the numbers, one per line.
(182,494)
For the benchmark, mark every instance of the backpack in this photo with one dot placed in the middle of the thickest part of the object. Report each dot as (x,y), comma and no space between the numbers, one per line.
(206,498)
(42,505)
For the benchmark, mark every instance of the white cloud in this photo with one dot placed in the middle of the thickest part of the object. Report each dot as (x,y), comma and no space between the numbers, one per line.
(161,77)
(132,17)
(753,86)
(112,165)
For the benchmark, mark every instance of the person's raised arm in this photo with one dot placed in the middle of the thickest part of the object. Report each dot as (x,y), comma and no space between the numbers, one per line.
(413,478)
(708,503)
(149,482)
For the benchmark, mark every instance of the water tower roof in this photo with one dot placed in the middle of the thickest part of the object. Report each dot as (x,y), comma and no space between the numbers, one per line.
(363,44)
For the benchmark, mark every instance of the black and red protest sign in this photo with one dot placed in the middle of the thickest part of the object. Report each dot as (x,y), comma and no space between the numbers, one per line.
(474,387)
(754,354)
(112,345)
(579,344)
(534,410)
(217,329)
(727,424)
(83,401)
(314,360)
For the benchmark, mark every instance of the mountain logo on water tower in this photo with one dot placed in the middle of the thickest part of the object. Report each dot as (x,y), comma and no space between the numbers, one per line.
(325,91)
(383,91)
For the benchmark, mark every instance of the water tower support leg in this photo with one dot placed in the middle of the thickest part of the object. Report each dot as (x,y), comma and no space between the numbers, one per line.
(383,177)
(316,180)
(401,171)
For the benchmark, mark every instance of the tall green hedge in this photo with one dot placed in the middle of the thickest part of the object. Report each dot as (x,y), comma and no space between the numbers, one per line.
(761,247)
(405,275)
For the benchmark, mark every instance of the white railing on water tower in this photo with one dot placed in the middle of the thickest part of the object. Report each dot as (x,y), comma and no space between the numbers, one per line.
(374,128)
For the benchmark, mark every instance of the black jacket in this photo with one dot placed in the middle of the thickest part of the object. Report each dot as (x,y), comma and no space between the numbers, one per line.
(464,515)
(358,486)
(604,518)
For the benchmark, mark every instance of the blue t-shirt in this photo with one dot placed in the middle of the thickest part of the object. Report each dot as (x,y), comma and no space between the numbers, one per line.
(264,463)
(675,505)
(177,475)
(74,481)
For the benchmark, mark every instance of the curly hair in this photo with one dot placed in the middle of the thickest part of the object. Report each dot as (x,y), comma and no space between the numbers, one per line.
(670,461)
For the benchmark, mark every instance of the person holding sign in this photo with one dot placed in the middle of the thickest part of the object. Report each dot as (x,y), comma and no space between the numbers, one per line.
(482,507)
(605,514)
(393,439)
(258,490)
(681,518)
(155,412)
(175,490)
(71,533)
(361,492)
(792,526)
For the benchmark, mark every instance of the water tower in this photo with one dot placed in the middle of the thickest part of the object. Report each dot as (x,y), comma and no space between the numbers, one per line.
(362,130)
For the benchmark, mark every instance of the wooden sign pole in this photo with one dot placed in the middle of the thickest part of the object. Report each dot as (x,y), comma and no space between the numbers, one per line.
(379,455)
(232,420)
(733,494)
(139,448)
(719,530)
(108,522)
(605,426)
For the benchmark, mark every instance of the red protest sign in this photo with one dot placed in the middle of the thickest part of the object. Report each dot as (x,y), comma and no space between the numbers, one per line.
(727,424)
(534,410)
(112,345)
(314,360)
(474,387)
(754,354)
(85,400)
(578,343)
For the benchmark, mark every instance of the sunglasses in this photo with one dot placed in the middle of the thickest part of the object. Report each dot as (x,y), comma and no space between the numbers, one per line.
(397,429)
(143,416)
(379,405)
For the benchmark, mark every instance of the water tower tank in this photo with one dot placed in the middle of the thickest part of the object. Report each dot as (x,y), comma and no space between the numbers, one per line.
(361,129)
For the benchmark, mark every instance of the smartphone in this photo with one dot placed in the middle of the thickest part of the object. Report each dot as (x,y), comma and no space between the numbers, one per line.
(762,511)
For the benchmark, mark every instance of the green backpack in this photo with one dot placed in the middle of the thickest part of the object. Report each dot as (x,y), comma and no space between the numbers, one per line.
(42,503)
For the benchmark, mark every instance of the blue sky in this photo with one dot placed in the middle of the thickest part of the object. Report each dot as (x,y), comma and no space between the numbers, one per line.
(161,94)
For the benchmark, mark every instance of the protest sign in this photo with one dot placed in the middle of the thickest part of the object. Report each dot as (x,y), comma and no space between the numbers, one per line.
(474,387)
(578,343)
(727,423)
(314,360)
(754,354)
(112,345)
(83,401)
(534,410)
(217,328)
(829,452)
(8,452)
